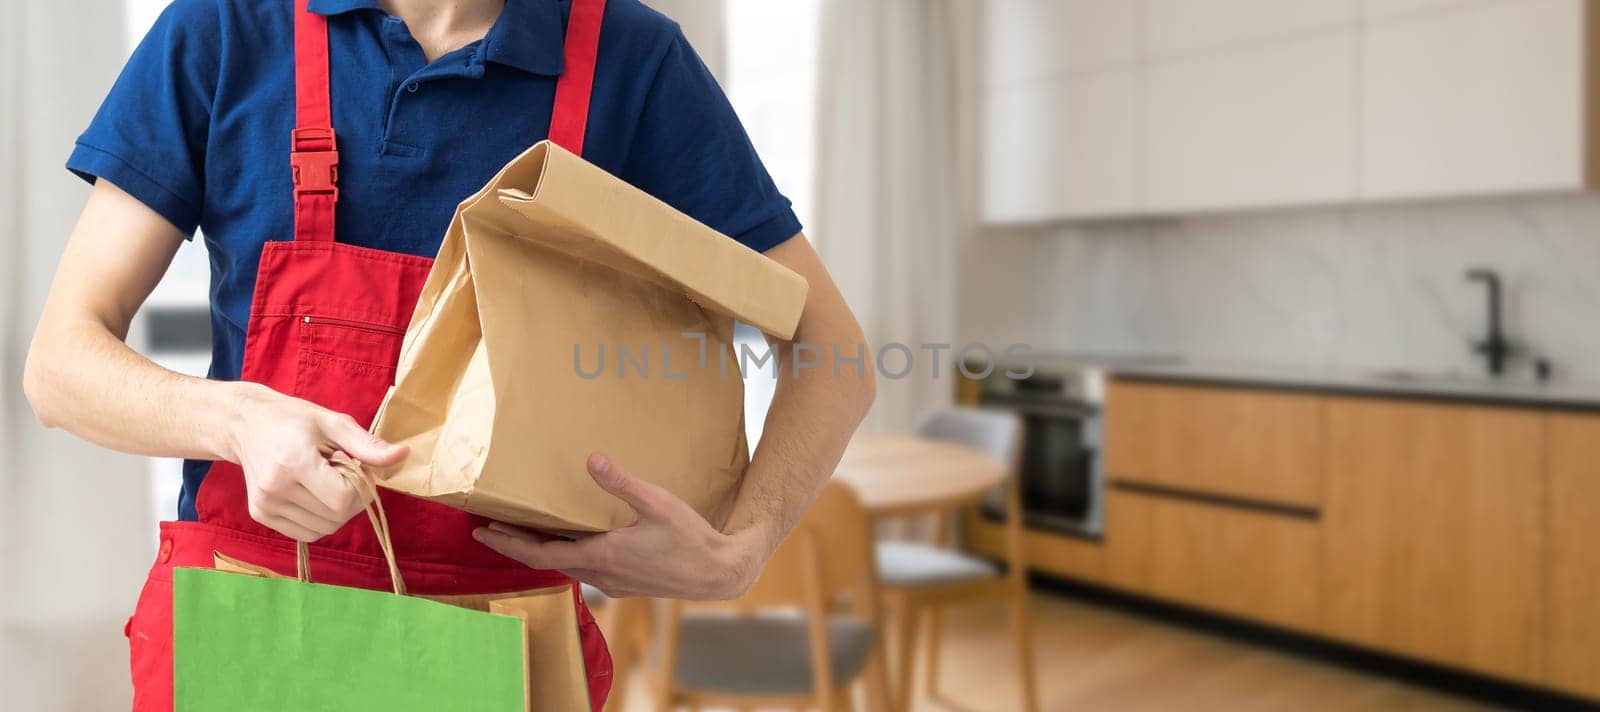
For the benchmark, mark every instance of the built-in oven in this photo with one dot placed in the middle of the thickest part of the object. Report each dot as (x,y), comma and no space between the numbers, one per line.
(1059,466)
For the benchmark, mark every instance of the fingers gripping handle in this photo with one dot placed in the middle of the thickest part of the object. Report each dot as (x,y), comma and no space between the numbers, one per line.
(359,479)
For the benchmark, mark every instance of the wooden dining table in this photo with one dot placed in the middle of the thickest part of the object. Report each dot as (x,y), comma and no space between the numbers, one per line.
(900,475)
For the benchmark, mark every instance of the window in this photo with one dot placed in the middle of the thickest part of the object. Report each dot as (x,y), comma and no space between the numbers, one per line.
(771,80)
(771,68)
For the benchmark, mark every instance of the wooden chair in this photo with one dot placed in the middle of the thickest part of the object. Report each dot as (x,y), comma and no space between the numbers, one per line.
(919,579)
(804,634)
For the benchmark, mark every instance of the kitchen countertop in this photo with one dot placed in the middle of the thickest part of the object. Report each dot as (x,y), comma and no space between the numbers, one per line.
(1511,390)
(1517,390)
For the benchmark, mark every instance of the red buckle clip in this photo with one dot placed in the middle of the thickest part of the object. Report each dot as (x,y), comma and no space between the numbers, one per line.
(311,138)
(315,167)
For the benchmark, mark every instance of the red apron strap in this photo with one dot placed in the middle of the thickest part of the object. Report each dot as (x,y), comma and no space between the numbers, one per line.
(313,152)
(570,117)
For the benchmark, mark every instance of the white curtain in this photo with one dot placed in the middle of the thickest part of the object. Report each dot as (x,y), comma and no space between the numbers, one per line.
(890,206)
(75,529)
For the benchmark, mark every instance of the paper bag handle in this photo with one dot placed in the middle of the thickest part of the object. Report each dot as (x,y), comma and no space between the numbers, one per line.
(359,479)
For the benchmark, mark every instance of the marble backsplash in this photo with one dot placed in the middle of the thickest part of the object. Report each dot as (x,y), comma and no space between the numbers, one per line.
(1348,288)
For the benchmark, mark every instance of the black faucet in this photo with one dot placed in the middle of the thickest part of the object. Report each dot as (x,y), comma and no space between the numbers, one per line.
(1495,348)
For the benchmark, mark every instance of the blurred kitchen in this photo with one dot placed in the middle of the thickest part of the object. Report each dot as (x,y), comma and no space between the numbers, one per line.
(1251,359)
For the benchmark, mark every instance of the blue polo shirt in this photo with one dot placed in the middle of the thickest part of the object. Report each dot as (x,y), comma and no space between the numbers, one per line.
(197,127)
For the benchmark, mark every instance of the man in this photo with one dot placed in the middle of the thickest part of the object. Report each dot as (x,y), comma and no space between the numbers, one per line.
(428,98)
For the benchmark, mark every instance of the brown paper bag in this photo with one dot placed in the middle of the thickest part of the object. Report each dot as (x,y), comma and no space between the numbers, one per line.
(567,313)
(557,678)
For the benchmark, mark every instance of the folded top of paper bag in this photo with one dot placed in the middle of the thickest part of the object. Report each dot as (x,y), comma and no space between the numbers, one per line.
(653,241)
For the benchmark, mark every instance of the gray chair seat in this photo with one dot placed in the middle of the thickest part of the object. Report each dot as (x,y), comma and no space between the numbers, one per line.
(903,563)
(592,595)
(767,654)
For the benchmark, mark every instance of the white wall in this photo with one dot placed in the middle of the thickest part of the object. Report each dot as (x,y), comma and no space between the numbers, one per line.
(1347,288)
(702,23)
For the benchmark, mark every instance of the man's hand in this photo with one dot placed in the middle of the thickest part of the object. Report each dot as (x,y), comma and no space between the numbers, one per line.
(669,551)
(283,444)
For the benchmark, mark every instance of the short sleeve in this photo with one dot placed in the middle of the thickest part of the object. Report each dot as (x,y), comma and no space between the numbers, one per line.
(149,135)
(690,151)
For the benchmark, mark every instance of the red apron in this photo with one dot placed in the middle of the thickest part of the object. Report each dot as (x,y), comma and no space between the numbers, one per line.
(326,325)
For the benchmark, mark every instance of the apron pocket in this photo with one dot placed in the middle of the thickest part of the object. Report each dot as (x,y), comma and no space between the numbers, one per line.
(377,344)
(345,385)
(346,365)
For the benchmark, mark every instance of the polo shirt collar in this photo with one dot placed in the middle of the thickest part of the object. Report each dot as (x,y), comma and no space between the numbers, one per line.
(528,34)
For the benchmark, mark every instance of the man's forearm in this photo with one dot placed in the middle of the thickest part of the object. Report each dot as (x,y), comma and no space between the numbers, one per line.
(814,412)
(80,374)
(84,379)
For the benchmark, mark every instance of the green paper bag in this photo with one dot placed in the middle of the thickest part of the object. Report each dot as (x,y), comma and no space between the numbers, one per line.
(244,642)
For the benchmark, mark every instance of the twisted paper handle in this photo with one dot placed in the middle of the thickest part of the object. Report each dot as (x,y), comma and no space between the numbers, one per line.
(359,479)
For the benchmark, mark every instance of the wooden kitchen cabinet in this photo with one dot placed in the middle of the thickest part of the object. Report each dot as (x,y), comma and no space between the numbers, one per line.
(1572,576)
(1254,445)
(1249,563)
(1433,530)
(1475,98)
(1457,534)
(1051,552)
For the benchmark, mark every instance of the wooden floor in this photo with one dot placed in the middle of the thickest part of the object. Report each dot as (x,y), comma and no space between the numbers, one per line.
(1098,658)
